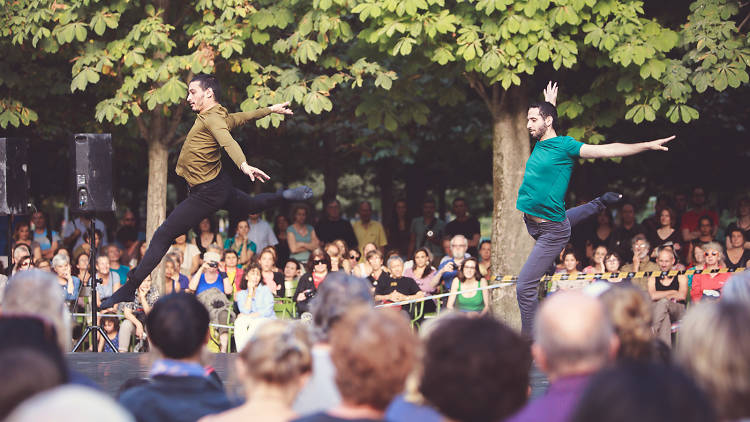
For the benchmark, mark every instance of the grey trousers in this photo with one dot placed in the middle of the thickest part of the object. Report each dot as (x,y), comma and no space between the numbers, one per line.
(665,313)
(551,237)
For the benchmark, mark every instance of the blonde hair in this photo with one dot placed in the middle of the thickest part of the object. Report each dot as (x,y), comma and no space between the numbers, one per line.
(279,353)
(630,313)
(713,347)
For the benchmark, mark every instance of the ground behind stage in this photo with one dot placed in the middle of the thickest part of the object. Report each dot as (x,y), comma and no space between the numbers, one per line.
(110,370)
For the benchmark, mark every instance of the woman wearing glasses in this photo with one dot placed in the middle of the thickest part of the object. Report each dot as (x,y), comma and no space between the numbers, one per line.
(474,301)
(710,284)
(318,267)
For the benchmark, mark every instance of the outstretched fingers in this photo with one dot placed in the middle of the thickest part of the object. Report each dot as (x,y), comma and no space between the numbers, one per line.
(550,93)
(659,143)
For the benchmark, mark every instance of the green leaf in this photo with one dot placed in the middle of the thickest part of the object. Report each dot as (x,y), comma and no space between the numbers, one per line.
(316,102)
(384,81)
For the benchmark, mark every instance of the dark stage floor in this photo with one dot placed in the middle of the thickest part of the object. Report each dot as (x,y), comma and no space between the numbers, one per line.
(110,370)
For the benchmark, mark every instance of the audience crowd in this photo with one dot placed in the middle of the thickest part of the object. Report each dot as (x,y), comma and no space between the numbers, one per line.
(667,346)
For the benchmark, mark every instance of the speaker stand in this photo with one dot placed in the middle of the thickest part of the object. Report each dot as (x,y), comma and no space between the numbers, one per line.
(94,328)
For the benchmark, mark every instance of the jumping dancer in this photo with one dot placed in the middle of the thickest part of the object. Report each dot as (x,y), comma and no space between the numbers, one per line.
(542,194)
(210,187)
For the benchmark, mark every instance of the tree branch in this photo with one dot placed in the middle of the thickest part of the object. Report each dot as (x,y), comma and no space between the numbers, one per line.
(477,86)
(142,129)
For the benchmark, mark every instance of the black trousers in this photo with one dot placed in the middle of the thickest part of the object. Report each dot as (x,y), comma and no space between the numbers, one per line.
(203,200)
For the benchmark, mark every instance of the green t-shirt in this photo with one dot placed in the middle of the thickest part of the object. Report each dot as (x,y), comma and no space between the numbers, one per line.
(542,193)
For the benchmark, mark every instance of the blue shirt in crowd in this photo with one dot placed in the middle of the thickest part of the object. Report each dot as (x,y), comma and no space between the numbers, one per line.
(262,303)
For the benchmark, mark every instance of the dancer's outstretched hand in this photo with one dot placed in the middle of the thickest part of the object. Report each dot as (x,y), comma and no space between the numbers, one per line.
(658,144)
(550,93)
(254,172)
(282,108)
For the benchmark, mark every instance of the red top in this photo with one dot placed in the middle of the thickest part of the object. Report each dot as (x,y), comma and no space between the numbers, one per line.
(690,219)
(703,282)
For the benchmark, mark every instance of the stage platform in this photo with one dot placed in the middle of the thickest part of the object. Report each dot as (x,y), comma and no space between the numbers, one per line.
(110,370)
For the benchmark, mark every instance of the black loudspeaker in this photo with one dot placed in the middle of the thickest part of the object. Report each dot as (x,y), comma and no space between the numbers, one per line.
(14,176)
(91,155)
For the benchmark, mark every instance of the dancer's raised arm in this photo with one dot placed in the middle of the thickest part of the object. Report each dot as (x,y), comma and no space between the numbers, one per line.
(623,150)
(550,93)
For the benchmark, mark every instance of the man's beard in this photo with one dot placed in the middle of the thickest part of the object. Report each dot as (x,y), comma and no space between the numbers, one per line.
(536,135)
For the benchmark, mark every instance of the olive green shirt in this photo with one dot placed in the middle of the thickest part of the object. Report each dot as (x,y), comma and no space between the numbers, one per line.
(200,158)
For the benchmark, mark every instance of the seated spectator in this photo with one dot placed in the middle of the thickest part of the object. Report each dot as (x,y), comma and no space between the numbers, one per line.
(668,295)
(108,282)
(399,287)
(229,266)
(47,239)
(22,236)
(70,403)
(211,289)
(70,284)
(114,254)
(337,263)
(373,351)
(612,263)
(379,274)
(25,263)
(336,297)
(573,339)
(331,226)
(669,246)
(271,277)
(427,231)
(743,221)
(641,261)
(72,232)
(273,368)
(43,265)
(291,277)
(465,225)
(180,387)
(713,348)
(652,222)
(397,231)
(448,269)
(629,310)
(363,269)
(737,255)
(261,232)
(81,269)
(85,247)
(20,252)
(280,227)
(353,257)
(111,326)
(175,281)
(242,246)
(191,256)
(484,385)
(136,313)
(570,268)
(710,284)
(255,302)
(485,259)
(691,219)
(26,372)
(422,270)
(476,301)
(367,230)
(597,261)
(644,392)
(127,238)
(622,235)
(301,236)
(706,232)
(207,233)
(601,234)
(317,269)
(666,232)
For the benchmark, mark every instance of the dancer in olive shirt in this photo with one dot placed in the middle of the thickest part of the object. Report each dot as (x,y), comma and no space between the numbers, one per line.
(210,187)
(542,194)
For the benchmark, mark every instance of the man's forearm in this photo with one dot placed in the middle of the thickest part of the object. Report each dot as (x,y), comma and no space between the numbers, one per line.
(619,149)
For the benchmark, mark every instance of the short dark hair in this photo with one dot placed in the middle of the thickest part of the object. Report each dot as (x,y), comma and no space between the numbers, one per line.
(208,81)
(177,325)
(227,252)
(460,198)
(705,217)
(546,110)
(486,385)
(247,269)
(318,253)
(647,392)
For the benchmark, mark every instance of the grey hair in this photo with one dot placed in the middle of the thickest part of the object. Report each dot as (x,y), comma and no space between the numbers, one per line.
(38,292)
(393,259)
(459,237)
(716,246)
(337,294)
(737,288)
(60,259)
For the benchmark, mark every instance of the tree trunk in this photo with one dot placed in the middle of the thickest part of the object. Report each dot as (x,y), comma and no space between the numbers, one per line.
(511,243)
(156,198)
(384,173)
